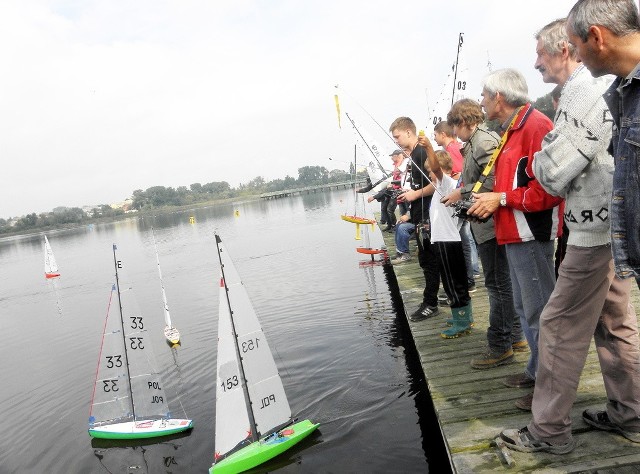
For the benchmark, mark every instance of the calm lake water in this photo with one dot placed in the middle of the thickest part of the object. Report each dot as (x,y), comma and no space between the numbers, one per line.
(342,350)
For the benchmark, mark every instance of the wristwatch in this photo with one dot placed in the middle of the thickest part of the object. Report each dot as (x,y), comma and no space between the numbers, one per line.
(503,199)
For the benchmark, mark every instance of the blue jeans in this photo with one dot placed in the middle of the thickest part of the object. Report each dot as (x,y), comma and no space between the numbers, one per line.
(470,252)
(504,323)
(404,231)
(533,278)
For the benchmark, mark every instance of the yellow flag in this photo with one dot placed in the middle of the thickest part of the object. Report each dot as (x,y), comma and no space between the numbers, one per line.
(338,109)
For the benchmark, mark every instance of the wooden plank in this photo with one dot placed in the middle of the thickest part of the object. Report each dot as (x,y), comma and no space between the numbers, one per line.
(473,406)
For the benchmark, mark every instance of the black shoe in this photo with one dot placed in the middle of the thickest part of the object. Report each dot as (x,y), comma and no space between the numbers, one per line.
(366,188)
(424,312)
(600,419)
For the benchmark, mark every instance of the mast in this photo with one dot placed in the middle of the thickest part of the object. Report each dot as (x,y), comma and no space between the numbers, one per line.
(455,68)
(245,388)
(117,265)
(167,315)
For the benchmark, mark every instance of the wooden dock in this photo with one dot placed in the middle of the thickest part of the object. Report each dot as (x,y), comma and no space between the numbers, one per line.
(473,406)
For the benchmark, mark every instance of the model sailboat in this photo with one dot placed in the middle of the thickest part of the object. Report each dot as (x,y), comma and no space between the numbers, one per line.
(253,418)
(355,218)
(170,333)
(128,398)
(50,265)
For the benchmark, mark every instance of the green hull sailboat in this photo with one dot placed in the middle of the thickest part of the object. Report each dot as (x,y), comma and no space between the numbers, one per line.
(253,418)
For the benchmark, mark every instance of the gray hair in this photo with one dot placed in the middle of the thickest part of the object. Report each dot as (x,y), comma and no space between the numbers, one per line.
(618,16)
(554,37)
(510,83)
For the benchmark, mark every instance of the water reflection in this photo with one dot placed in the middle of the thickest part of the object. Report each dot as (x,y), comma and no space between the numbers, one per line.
(337,338)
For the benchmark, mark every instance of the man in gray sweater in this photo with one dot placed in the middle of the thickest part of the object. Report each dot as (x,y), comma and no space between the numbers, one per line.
(588,299)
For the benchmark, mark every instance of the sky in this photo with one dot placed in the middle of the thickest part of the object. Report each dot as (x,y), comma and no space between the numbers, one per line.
(99,98)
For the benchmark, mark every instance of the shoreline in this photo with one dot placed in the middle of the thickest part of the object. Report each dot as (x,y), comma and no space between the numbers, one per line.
(135,215)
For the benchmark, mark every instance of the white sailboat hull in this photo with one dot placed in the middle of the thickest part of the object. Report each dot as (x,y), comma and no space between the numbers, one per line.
(141,429)
(172,334)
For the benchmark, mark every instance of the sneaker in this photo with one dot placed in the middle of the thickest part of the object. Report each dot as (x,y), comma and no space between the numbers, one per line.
(401,258)
(424,312)
(476,275)
(523,440)
(490,359)
(389,228)
(365,189)
(472,288)
(520,346)
(600,419)
(519,381)
(524,403)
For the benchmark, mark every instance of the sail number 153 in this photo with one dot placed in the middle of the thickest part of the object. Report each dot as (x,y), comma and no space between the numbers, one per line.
(250,345)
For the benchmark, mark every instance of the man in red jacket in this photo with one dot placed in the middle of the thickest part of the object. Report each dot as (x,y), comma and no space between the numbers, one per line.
(527,219)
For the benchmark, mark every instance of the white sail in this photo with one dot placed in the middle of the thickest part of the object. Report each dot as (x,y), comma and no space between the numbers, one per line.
(172,334)
(112,399)
(50,265)
(148,396)
(128,388)
(232,418)
(268,403)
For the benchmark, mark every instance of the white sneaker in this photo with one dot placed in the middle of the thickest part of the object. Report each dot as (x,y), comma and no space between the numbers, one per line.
(401,258)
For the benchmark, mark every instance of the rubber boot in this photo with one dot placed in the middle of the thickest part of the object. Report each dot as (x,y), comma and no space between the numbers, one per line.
(462,318)
(449,322)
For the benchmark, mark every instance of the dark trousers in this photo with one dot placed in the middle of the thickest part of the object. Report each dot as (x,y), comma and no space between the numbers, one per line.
(428,260)
(391,211)
(453,270)
(384,215)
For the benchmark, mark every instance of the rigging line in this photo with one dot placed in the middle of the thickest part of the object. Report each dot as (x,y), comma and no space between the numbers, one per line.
(355,177)
(455,70)
(419,168)
(368,147)
(104,328)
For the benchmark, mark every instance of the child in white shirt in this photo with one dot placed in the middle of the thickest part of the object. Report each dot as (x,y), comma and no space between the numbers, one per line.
(445,240)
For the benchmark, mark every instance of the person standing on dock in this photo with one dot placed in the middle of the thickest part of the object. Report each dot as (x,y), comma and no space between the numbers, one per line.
(445,137)
(403,130)
(527,219)
(504,333)
(588,299)
(447,244)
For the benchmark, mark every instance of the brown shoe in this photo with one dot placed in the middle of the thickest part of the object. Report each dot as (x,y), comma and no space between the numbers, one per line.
(490,359)
(519,381)
(520,346)
(524,403)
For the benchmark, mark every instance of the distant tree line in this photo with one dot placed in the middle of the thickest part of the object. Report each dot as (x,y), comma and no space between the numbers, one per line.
(157,197)
(160,196)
